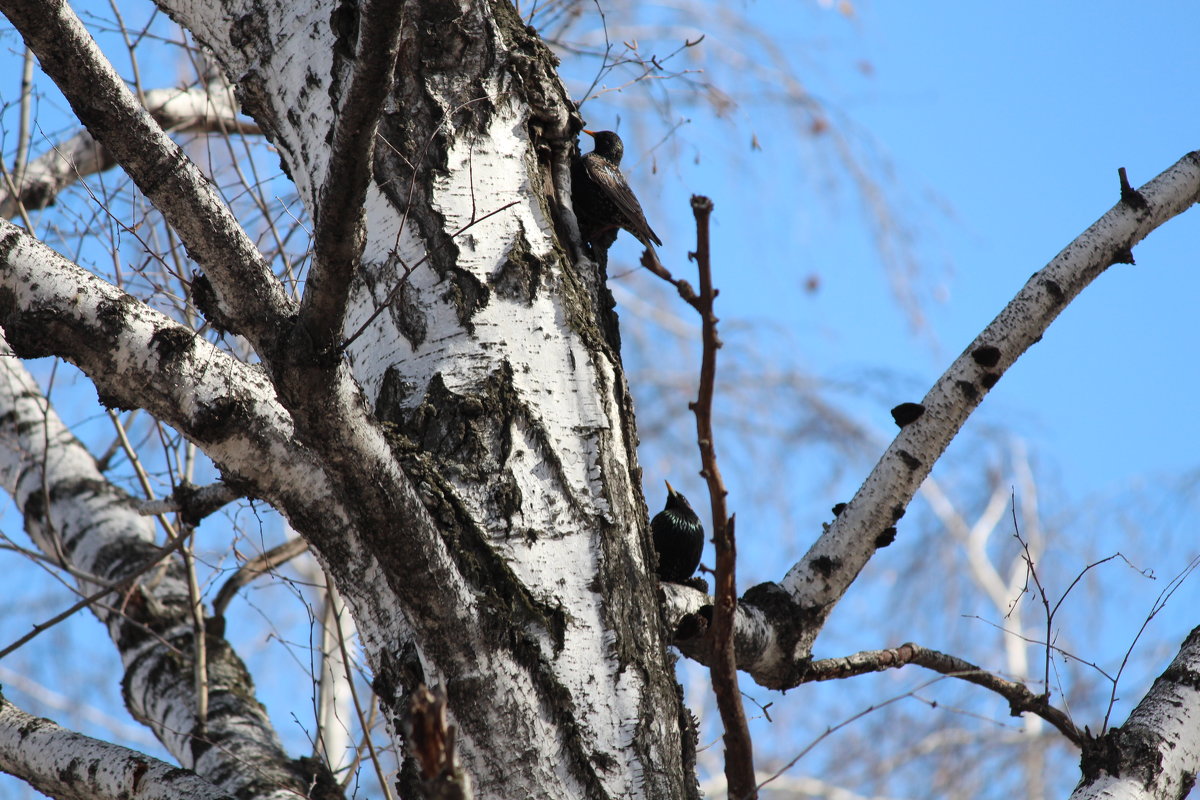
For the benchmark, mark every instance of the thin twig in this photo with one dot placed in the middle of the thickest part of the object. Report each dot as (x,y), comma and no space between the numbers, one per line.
(739,753)
(1020,698)
(260,565)
(170,547)
(335,600)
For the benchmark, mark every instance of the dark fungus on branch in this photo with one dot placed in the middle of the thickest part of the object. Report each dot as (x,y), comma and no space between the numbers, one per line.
(986,356)
(907,413)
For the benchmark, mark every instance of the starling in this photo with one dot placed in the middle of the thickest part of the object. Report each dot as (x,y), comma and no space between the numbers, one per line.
(678,538)
(603,201)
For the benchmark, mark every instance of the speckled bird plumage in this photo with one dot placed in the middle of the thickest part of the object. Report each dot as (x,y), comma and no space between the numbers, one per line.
(678,538)
(602,198)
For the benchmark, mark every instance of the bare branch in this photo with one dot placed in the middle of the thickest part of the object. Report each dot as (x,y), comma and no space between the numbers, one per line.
(193,503)
(55,307)
(195,110)
(245,284)
(256,567)
(70,766)
(1020,698)
(739,753)
(339,235)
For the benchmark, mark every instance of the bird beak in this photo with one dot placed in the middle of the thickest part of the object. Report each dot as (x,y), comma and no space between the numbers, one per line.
(670,489)
(589,133)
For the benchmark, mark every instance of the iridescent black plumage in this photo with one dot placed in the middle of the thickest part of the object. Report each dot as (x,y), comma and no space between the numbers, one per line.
(678,538)
(602,198)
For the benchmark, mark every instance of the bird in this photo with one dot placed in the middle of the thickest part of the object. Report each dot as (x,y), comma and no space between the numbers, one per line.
(678,538)
(603,201)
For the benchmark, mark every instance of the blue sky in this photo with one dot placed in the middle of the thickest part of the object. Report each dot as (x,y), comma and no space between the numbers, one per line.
(1004,126)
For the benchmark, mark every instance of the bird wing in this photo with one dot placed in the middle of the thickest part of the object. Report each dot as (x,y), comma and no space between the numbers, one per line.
(608,177)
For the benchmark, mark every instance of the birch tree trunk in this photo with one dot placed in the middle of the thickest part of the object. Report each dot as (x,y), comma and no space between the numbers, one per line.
(490,537)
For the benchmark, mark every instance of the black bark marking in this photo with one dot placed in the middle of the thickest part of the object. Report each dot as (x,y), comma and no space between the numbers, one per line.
(221,418)
(907,413)
(824,565)
(986,356)
(910,461)
(968,390)
(1055,291)
(172,343)
(989,379)
(885,538)
(520,276)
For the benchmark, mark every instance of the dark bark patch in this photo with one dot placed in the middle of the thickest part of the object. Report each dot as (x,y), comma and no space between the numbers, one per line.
(394,391)
(986,356)
(31,332)
(204,298)
(1128,752)
(220,418)
(35,506)
(968,390)
(520,276)
(344,24)
(113,314)
(250,31)
(468,295)
(907,413)
(824,565)
(111,400)
(1187,782)
(8,303)
(886,537)
(1054,290)
(410,317)
(172,342)
(910,461)
(839,508)
(989,379)
(897,512)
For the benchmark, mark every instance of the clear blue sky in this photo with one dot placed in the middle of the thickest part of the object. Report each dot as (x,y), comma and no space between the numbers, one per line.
(1004,126)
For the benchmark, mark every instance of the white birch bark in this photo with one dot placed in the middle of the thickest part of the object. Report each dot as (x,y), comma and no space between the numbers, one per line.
(70,766)
(78,518)
(1155,755)
(495,543)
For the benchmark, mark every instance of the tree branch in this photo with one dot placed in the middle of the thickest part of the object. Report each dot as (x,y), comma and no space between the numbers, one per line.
(73,512)
(245,285)
(195,110)
(739,753)
(1156,753)
(193,503)
(255,567)
(1020,698)
(70,766)
(818,581)
(139,358)
(338,236)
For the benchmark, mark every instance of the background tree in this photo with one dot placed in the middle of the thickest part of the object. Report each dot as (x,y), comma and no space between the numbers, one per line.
(488,526)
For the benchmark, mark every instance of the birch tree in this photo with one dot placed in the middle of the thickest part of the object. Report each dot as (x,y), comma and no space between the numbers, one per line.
(437,406)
